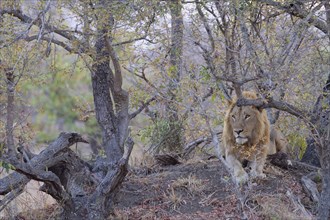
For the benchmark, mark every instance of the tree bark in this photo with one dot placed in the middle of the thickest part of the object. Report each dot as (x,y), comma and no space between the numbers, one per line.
(82,191)
(311,156)
(174,142)
(324,202)
(104,107)
(10,111)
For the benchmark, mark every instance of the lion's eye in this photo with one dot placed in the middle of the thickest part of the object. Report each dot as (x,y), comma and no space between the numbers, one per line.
(247,117)
(233,117)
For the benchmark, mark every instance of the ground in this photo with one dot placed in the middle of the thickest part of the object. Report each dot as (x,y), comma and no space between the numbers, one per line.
(202,189)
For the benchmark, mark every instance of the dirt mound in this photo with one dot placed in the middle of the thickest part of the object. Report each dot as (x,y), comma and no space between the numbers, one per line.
(203,190)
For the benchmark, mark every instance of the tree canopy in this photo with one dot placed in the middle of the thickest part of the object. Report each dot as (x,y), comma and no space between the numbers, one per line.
(156,72)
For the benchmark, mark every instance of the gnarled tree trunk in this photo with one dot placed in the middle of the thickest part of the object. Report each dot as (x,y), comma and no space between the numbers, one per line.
(85,191)
(82,191)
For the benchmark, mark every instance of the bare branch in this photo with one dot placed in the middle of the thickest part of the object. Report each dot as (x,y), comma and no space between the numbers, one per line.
(40,161)
(10,110)
(114,177)
(294,8)
(143,106)
(192,145)
(197,100)
(249,44)
(37,21)
(26,19)
(55,41)
(144,78)
(271,103)
(206,26)
(10,197)
(12,181)
(144,37)
(118,80)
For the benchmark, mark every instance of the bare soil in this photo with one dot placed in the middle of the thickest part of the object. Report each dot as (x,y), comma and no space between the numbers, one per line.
(204,190)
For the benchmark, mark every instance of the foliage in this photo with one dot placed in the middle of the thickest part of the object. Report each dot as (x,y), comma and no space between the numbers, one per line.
(7,166)
(62,97)
(253,44)
(160,135)
(297,141)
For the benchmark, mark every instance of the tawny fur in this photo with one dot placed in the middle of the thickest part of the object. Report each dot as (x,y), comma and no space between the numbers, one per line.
(277,142)
(255,138)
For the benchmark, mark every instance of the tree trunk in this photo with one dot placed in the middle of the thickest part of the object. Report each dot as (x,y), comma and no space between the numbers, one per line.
(82,191)
(10,111)
(104,107)
(323,140)
(174,143)
(324,202)
(311,155)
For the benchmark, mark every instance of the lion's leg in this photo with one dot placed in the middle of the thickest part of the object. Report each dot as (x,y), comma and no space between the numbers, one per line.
(240,175)
(257,165)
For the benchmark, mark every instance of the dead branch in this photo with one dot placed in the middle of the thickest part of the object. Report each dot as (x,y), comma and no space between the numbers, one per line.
(167,159)
(143,37)
(192,145)
(249,45)
(143,106)
(310,186)
(271,103)
(108,187)
(10,197)
(207,27)
(28,20)
(294,8)
(118,79)
(296,201)
(35,168)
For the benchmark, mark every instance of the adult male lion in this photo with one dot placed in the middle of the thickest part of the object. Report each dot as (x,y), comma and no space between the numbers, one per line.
(246,136)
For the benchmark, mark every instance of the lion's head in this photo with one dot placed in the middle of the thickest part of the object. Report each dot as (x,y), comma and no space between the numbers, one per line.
(246,125)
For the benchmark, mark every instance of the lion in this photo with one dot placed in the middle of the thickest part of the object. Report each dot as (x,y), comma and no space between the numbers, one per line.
(278,143)
(246,136)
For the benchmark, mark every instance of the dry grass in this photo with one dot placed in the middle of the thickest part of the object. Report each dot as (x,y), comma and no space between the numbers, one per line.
(191,183)
(28,202)
(173,199)
(279,206)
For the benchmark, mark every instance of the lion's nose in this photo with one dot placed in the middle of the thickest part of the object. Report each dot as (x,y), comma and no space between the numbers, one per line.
(238,131)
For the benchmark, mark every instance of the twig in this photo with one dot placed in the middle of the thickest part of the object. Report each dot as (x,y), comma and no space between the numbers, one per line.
(297,203)
(143,106)
(10,197)
(238,191)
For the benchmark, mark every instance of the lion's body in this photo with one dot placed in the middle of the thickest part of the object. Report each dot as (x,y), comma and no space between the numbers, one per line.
(246,136)
(277,142)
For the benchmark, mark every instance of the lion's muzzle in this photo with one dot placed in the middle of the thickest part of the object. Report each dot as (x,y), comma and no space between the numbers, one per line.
(240,140)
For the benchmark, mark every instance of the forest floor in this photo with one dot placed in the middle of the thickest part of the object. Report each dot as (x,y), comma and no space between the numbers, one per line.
(202,189)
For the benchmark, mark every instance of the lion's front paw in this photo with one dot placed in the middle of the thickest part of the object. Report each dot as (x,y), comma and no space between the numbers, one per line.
(258,175)
(241,178)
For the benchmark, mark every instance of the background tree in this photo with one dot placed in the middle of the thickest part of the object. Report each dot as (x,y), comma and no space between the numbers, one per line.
(92,40)
(185,72)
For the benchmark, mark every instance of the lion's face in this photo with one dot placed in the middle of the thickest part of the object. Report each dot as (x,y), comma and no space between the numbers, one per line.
(245,136)
(246,124)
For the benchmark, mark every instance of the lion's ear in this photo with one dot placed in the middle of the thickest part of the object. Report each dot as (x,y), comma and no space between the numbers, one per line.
(258,108)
